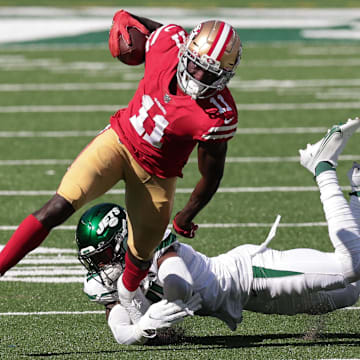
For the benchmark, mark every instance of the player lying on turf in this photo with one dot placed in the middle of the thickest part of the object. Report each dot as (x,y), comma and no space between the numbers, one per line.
(248,277)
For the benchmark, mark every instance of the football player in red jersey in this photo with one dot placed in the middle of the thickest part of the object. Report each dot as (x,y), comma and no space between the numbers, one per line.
(181,102)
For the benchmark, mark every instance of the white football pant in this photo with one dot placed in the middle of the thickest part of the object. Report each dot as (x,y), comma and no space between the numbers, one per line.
(308,280)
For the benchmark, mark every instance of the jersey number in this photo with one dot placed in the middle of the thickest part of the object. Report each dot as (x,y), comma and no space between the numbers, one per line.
(160,123)
(222,108)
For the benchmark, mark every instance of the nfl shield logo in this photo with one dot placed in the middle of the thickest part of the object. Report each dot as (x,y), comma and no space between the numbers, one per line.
(167,98)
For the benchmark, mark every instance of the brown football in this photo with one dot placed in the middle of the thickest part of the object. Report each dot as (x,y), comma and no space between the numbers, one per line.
(133,54)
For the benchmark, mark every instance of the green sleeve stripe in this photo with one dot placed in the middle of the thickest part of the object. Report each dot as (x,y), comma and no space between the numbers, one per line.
(167,242)
(93,297)
(91,276)
(260,272)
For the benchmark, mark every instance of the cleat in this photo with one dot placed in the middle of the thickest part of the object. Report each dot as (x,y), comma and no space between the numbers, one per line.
(330,147)
(354,177)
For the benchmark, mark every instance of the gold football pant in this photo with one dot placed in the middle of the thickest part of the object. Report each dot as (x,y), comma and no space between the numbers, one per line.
(148,198)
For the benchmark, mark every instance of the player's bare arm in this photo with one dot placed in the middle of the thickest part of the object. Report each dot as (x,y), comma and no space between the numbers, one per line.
(211,162)
(151,25)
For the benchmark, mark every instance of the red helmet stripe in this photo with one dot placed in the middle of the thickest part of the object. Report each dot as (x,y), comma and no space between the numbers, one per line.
(216,39)
(225,45)
(221,40)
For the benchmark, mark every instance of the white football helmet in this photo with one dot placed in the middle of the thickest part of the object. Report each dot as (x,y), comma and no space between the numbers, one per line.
(215,47)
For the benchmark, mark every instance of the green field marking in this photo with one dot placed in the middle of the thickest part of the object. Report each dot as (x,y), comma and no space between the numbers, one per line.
(247,35)
(89,26)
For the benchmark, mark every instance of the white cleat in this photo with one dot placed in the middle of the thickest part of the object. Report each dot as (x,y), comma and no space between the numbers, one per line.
(330,147)
(354,177)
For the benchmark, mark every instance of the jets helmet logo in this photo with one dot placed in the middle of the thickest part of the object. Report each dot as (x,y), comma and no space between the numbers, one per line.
(109,220)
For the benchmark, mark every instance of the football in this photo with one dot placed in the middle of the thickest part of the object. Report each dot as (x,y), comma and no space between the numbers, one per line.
(133,54)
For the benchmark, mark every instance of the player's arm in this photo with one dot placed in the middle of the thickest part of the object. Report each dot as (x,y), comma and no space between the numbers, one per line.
(162,314)
(211,163)
(150,24)
(175,277)
(123,20)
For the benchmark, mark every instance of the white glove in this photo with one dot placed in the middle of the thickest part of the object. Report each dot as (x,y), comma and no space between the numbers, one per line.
(354,176)
(164,314)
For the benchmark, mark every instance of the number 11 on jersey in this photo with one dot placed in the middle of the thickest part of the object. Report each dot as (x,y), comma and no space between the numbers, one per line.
(161,123)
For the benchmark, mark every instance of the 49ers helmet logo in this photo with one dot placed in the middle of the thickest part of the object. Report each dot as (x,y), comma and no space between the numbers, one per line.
(195,31)
(109,220)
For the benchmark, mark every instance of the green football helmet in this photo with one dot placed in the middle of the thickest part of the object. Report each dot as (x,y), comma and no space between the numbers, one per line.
(101,236)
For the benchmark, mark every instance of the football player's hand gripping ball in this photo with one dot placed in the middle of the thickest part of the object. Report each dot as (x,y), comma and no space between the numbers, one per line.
(122,20)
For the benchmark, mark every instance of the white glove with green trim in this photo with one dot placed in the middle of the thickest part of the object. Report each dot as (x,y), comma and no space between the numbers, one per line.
(164,314)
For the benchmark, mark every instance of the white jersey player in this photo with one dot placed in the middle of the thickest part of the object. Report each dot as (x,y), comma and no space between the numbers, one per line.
(249,277)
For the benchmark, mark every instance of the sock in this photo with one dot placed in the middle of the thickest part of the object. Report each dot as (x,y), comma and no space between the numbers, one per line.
(29,235)
(132,275)
(323,166)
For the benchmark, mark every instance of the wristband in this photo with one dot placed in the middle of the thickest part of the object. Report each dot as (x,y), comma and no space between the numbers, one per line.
(186,233)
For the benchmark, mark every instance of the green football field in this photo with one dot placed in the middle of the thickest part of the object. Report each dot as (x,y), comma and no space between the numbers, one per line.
(55,96)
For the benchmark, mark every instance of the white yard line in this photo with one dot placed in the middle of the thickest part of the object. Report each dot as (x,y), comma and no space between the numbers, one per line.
(39,313)
(47,313)
(232,190)
(207,226)
(86,133)
(35,162)
(274,159)
(263,84)
(241,131)
(70,87)
(31,134)
(53,22)
(241,107)
(306,62)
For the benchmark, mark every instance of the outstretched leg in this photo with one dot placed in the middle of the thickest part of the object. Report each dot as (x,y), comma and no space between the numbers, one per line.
(94,171)
(344,231)
(33,230)
(313,303)
(308,280)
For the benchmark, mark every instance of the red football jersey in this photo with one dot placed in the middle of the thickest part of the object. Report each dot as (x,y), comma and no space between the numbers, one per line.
(161,129)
